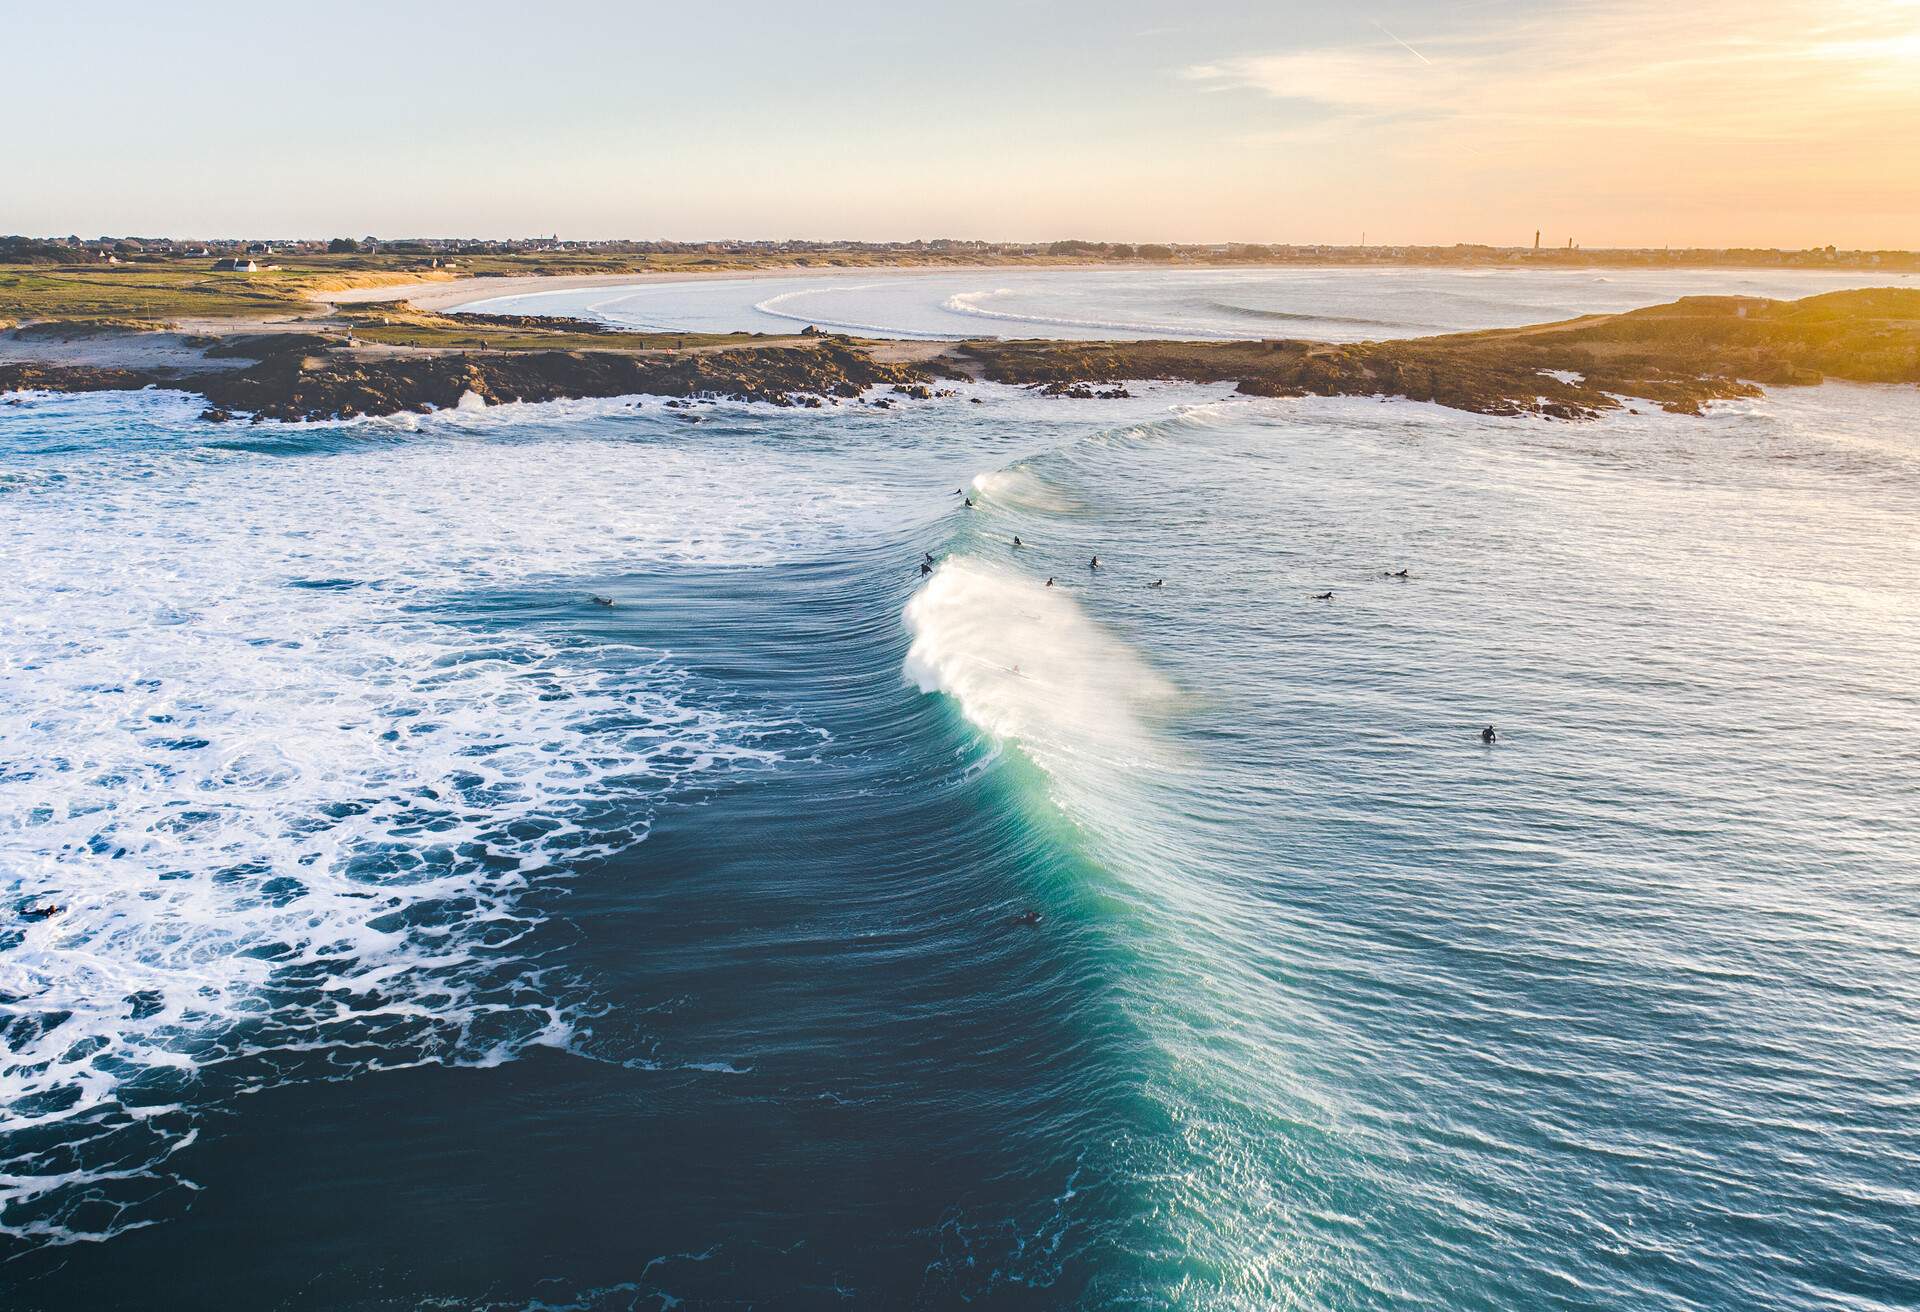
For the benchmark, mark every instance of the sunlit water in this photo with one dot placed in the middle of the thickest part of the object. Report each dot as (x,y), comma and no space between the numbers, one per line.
(428,933)
(1339,304)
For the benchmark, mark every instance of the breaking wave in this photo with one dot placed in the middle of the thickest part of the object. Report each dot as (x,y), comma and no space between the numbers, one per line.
(1017,487)
(1026,664)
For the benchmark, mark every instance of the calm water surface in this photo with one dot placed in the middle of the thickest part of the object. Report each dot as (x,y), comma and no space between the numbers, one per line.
(1338,304)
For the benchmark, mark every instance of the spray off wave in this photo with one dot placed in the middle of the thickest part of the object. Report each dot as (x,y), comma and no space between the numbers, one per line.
(1019,488)
(1026,664)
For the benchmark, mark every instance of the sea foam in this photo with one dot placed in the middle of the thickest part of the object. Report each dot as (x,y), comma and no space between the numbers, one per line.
(272,797)
(1026,664)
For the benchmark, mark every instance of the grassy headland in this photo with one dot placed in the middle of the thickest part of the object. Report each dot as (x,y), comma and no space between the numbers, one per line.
(1676,356)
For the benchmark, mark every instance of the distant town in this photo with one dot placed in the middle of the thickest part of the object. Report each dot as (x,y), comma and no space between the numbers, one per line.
(256,254)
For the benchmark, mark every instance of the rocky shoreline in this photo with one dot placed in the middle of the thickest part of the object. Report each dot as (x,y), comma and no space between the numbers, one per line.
(1678,357)
(335,384)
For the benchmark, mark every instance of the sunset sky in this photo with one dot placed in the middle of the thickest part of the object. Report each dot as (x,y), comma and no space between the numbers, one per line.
(1620,122)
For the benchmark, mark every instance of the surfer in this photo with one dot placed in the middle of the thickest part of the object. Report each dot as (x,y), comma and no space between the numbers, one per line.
(1321,596)
(1017,542)
(1049,580)
(1158,583)
(1488,736)
(1027,918)
(969,501)
(46,911)
(599,600)
(925,569)
(1393,574)
(1094,563)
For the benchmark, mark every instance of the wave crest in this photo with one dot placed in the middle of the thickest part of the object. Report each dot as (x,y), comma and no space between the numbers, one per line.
(1026,664)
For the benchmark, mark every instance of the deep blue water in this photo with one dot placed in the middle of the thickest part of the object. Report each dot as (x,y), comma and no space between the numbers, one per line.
(432,936)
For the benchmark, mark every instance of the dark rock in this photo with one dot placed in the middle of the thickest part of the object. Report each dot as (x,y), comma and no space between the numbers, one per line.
(281,389)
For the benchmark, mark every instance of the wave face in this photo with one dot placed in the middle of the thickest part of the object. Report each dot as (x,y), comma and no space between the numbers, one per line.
(808,930)
(1383,983)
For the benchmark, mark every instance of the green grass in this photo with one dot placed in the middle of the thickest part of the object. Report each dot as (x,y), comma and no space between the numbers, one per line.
(146,293)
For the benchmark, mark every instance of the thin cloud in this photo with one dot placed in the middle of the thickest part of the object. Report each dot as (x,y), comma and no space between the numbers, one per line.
(1636,116)
(1718,71)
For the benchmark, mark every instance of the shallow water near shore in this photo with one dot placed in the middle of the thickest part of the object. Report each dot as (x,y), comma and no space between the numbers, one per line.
(429,935)
(1333,304)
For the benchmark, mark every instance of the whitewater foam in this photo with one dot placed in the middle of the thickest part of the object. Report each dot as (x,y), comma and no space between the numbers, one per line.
(270,804)
(1026,664)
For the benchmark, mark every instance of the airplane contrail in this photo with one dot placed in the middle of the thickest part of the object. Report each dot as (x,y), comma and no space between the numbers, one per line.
(1402,44)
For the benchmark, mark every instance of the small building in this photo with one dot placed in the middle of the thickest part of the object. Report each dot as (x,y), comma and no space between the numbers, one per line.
(238,264)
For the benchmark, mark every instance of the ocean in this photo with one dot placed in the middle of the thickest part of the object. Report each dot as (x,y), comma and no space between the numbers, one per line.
(805,931)
(1342,303)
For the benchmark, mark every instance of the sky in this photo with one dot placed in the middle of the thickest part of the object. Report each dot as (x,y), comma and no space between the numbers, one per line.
(1612,123)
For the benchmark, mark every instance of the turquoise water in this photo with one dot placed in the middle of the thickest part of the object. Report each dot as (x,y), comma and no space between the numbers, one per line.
(432,935)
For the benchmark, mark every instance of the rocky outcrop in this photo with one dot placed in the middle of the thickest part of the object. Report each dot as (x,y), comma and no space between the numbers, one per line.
(32,376)
(343,384)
